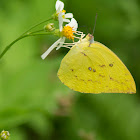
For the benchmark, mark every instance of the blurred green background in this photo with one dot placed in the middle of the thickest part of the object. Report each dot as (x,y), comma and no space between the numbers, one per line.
(35,105)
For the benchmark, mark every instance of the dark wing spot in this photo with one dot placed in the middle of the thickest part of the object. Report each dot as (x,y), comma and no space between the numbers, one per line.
(111,78)
(111,65)
(90,68)
(101,75)
(72,69)
(84,54)
(94,70)
(98,82)
(102,65)
(89,80)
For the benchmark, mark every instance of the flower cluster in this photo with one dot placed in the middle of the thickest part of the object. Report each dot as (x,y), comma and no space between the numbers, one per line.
(66,31)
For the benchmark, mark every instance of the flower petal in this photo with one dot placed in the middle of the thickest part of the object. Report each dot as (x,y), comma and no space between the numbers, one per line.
(59,6)
(66,20)
(44,55)
(60,19)
(83,35)
(69,15)
(73,24)
(61,43)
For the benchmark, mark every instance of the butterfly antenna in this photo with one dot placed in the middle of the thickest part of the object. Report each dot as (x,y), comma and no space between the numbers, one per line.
(94,24)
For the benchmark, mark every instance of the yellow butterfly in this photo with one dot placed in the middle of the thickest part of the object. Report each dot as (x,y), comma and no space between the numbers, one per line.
(90,67)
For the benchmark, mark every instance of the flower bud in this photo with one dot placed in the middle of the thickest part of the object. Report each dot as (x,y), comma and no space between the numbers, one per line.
(49,27)
(4,135)
(55,16)
(57,33)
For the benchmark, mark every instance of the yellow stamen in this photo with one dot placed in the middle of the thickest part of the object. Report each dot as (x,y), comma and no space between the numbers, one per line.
(68,32)
(64,11)
(63,16)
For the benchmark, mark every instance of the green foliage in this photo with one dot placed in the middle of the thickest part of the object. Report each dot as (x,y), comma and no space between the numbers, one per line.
(34,104)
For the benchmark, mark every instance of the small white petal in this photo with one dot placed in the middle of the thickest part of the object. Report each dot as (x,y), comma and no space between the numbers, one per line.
(69,15)
(3,135)
(73,24)
(61,43)
(44,55)
(75,27)
(8,134)
(66,20)
(60,19)
(83,35)
(59,6)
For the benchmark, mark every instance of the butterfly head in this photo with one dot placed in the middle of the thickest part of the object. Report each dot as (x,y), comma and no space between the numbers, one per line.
(90,38)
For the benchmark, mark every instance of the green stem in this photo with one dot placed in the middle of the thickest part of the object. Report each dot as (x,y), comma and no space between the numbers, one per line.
(8,47)
(36,26)
(21,37)
(36,31)
(35,34)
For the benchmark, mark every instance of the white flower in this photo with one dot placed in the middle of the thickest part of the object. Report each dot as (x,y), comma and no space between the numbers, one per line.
(67,32)
(62,17)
